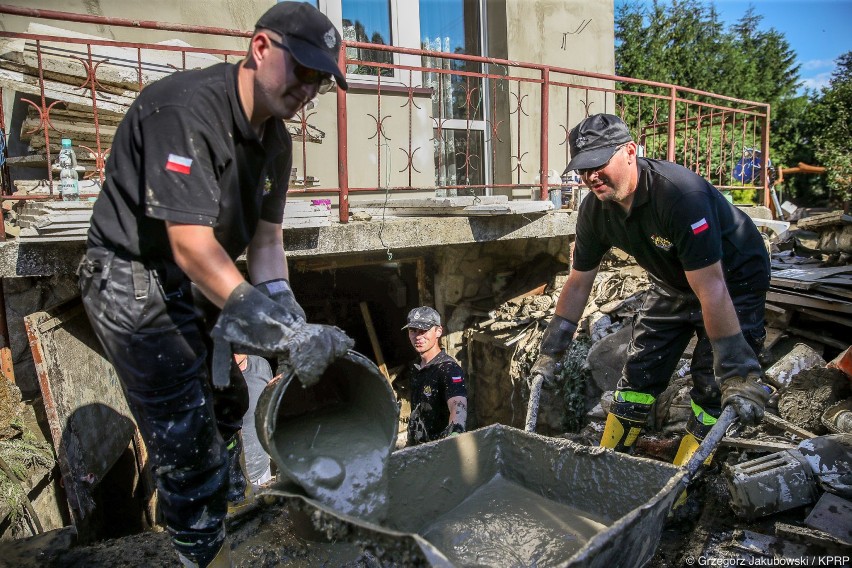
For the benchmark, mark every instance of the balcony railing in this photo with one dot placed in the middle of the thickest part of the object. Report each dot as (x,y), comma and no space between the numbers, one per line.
(412,120)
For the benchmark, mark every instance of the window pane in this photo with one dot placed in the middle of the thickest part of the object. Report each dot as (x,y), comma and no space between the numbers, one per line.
(452,26)
(367,21)
(459,160)
(314,3)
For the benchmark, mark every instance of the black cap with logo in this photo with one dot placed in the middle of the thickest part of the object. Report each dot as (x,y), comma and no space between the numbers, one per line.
(594,141)
(310,36)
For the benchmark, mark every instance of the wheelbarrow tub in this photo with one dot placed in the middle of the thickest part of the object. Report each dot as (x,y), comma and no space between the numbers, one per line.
(612,505)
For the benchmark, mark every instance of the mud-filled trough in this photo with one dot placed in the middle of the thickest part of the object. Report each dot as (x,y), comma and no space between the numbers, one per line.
(499,496)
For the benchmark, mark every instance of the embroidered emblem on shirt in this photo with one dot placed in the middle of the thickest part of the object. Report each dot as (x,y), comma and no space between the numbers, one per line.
(179,164)
(661,242)
(700,226)
(427,390)
(330,38)
(267,186)
(457,379)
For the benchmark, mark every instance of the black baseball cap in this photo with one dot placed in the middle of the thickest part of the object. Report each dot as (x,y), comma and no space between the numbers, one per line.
(594,141)
(308,34)
(423,318)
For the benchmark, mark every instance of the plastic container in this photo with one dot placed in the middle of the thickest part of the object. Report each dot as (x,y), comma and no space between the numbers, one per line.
(69,184)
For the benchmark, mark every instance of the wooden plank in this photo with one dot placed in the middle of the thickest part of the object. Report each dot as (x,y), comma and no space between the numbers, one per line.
(374,340)
(818,337)
(827,316)
(90,422)
(812,274)
(823,303)
(835,290)
(759,445)
(788,426)
(824,220)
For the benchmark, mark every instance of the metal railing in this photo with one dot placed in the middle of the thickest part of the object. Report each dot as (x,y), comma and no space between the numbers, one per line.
(413,119)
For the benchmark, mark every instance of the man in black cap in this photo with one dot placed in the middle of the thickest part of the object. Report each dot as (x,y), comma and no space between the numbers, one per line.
(197,175)
(438,391)
(709,273)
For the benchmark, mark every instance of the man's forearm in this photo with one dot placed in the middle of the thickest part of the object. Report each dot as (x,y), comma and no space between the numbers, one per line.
(458,410)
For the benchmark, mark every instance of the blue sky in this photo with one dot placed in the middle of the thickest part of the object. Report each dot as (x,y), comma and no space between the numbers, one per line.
(818,31)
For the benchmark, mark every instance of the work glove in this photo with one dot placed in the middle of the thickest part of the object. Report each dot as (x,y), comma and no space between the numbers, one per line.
(279,291)
(254,324)
(452,429)
(738,371)
(554,343)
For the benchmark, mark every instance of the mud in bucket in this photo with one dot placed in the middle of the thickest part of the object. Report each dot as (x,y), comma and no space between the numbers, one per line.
(333,439)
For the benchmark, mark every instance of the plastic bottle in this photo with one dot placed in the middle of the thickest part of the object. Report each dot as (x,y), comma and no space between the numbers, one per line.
(69,186)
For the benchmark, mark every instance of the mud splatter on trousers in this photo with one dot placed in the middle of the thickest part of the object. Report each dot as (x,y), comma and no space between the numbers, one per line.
(666,323)
(155,333)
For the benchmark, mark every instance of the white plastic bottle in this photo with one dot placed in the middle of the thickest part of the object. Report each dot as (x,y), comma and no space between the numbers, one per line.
(69,185)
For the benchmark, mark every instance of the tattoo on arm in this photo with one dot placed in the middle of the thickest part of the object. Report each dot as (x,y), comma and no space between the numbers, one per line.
(458,412)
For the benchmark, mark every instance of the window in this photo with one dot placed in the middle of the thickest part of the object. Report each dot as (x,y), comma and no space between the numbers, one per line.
(458,101)
(368,21)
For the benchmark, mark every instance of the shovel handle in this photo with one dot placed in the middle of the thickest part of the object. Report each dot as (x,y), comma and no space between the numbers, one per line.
(711,441)
(532,406)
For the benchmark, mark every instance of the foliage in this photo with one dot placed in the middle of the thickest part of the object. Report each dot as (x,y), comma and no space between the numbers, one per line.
(831,129)
(572,381)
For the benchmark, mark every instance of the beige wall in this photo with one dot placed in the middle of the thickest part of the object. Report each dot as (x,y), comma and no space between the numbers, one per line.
(569,34)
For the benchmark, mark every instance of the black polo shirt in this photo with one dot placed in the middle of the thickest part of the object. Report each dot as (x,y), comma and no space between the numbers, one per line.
(677,222)
(186,153)
(432,385)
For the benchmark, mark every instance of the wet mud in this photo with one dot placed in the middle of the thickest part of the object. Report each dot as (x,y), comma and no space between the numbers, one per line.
(504,524)
(339,460)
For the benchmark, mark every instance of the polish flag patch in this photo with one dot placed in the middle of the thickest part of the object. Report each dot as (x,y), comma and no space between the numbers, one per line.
(700,226)
(178,164)
(457,379)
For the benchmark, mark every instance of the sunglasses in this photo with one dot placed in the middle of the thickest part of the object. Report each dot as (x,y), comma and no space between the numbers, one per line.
(307,75)
(588,171)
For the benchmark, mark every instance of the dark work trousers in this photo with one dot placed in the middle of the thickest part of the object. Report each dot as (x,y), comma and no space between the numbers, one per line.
(665,324)
(157,339)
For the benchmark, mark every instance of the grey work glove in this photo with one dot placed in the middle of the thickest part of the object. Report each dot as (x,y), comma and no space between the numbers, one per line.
(452,429)
(254,324)
(739,373)
(279,291)
(555,342)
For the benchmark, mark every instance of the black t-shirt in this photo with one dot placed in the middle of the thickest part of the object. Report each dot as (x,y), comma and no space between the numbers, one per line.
(432,385)
(677,222)
(186,153)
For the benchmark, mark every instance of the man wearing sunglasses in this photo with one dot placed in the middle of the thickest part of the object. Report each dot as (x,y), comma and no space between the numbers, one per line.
(709,273)
(197,175)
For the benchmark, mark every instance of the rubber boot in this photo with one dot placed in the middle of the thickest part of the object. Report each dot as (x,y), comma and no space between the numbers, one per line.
(221,560)
(240,491)
(697,428)
(626,419)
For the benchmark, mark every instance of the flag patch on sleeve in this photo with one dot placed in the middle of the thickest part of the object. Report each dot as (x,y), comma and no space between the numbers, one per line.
(700,226)
(457,379)
(178,164)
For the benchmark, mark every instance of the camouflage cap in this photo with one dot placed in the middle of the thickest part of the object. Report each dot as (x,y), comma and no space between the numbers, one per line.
(423,318)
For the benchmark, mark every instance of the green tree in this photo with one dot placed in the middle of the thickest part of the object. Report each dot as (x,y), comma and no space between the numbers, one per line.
(831,127)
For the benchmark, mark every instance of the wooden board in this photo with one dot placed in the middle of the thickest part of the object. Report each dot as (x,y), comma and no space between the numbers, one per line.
(90,422)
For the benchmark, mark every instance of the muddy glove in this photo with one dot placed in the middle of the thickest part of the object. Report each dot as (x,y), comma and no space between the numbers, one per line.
(279,291)
(739,373)
(452,429)
(554,343)
(253,324)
